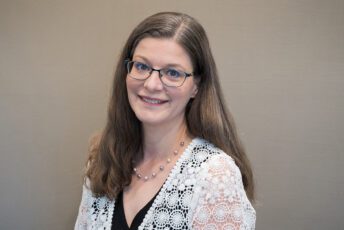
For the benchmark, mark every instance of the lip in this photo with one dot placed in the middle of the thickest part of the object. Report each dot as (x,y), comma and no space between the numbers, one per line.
(152,101)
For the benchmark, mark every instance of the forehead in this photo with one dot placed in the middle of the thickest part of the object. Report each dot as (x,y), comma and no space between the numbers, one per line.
(161,52)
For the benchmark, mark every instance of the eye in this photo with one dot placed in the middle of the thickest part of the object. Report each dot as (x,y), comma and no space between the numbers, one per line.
(172,73)
(141,66)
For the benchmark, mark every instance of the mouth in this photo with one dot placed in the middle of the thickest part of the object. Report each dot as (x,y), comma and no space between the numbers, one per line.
(152,101)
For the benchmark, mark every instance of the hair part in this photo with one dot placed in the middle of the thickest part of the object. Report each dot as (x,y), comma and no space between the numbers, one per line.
(109,167)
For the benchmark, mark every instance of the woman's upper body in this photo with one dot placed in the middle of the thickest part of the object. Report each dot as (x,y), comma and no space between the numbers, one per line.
(165,93)
(204,189)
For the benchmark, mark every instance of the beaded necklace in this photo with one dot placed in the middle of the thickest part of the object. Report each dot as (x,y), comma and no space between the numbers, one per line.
(161,167)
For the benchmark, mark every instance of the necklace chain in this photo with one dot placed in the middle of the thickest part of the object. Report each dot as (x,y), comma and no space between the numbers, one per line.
(161,167)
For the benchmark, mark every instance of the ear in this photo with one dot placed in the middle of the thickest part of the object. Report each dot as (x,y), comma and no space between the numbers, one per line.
(195,87)
(194,91)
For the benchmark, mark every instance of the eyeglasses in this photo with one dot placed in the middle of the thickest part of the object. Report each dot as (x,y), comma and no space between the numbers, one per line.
(168,76)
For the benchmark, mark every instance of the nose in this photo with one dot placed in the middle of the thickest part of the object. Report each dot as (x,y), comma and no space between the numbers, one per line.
(153,82)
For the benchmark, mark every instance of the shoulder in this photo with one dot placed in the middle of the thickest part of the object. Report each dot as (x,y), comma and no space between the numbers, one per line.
(215,168)
(95,204)
(212,157)
(220,198)
(94,212)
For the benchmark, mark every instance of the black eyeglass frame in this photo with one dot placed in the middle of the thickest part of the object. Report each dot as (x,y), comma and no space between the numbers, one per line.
(128,61)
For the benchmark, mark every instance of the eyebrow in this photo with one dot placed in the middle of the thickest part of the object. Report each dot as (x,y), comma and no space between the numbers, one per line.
(175,65)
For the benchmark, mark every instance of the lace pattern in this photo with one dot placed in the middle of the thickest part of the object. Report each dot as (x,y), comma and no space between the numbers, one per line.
(94,212)
(203,191)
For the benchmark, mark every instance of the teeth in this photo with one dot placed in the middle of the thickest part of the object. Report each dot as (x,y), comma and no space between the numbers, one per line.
(152,101)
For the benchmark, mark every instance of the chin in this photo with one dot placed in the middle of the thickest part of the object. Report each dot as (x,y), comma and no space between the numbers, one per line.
(148,117)
(151,122)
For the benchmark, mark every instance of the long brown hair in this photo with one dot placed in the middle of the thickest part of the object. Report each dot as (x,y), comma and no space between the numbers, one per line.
(109,167)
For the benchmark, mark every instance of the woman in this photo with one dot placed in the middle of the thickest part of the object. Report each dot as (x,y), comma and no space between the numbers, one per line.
(169,156)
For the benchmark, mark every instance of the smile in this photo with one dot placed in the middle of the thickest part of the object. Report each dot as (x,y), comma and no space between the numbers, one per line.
(153,101)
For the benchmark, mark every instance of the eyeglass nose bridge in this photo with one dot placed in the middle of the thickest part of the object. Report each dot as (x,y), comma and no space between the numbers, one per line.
(157,70)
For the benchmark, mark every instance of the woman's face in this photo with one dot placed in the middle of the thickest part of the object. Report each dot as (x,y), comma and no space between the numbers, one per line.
(152,101)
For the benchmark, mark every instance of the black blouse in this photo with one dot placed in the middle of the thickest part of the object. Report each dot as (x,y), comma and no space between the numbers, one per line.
(118,219)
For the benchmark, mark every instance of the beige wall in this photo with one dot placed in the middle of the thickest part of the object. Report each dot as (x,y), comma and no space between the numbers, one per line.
(282,69)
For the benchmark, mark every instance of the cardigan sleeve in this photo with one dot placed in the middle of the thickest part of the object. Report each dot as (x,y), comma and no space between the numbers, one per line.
(222,201)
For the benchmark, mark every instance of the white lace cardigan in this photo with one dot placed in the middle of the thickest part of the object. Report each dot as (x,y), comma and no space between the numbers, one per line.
(203,191)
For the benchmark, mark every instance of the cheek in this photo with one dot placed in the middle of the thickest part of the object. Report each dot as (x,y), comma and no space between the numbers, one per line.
(130,91)
(181,98)
(188,92)
(127,83)
(130,84)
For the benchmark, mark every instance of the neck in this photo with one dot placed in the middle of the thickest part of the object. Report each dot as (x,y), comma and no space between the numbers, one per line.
(158,141)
